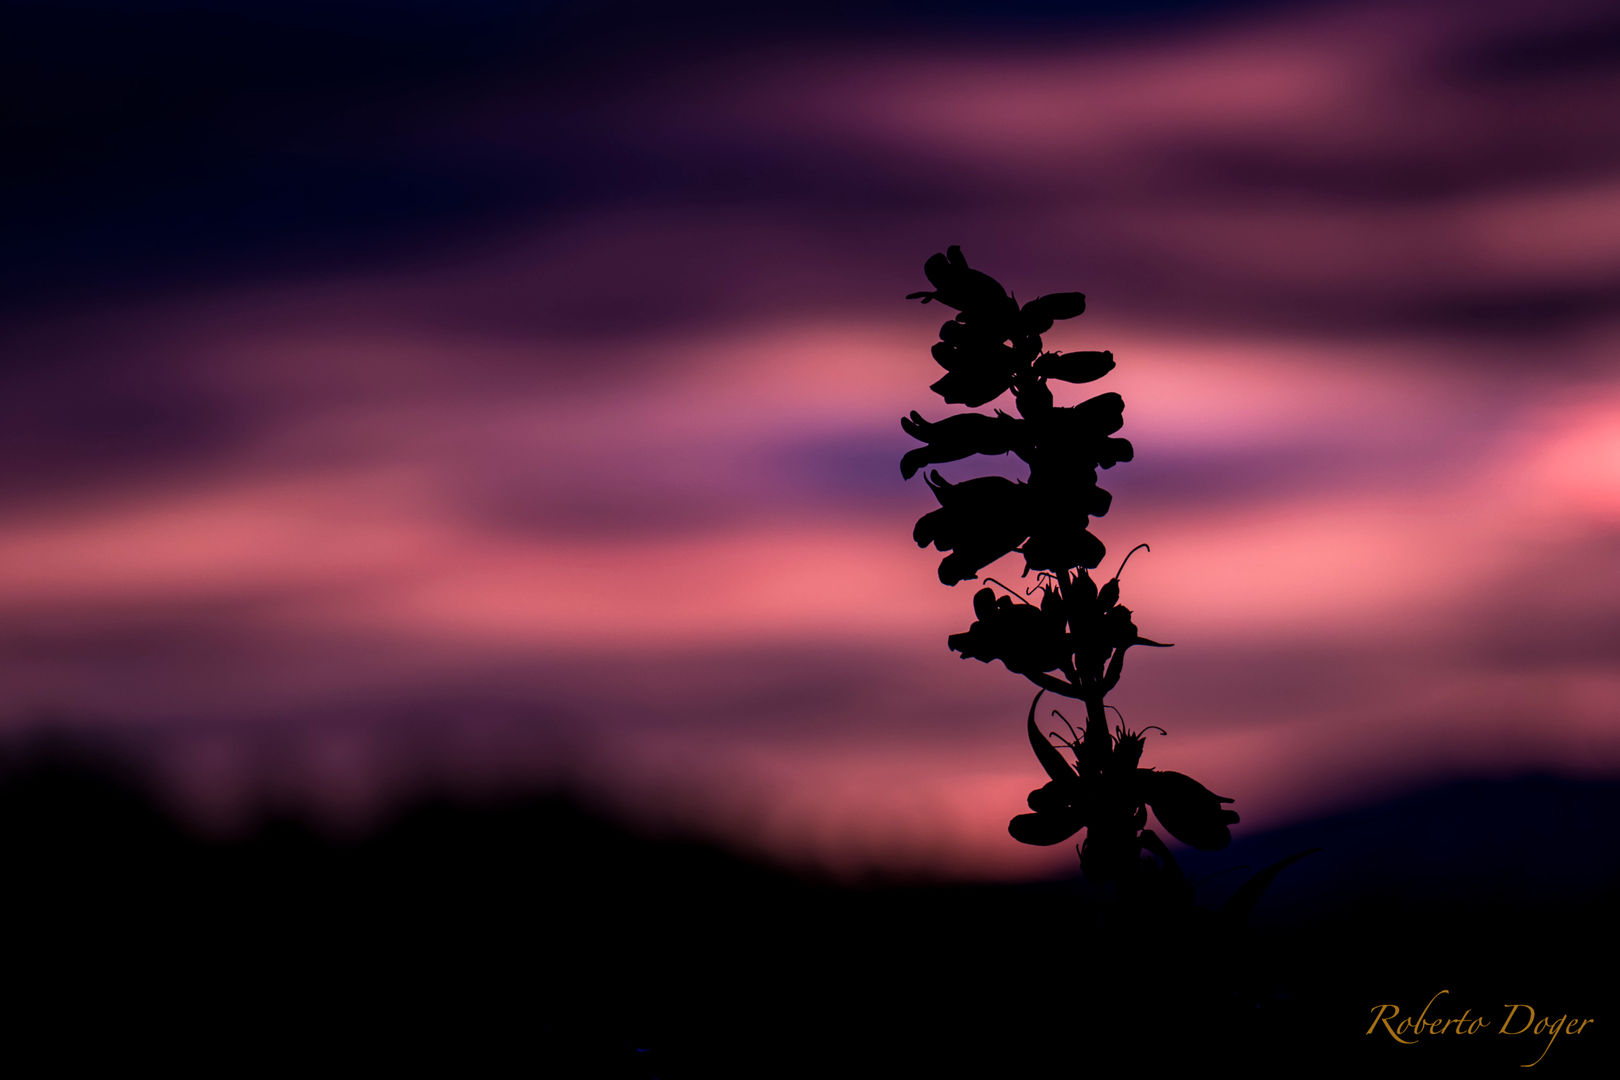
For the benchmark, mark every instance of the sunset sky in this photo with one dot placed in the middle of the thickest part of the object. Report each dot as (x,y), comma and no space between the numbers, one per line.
(482,396)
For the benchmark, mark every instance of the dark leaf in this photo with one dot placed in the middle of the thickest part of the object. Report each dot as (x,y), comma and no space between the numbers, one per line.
(1108,854)
(1157,847)
(1047,754)
(1241,903)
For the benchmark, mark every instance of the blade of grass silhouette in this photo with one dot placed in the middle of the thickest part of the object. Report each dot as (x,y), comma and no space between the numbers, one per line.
(1241,903)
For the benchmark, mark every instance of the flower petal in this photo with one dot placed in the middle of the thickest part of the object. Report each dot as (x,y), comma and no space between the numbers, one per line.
(1188,810)
(1044,830)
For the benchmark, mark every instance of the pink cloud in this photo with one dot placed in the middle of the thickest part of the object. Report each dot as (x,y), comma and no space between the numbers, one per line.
(576,490)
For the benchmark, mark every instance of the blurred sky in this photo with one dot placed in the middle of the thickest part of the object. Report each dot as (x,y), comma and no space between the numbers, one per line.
(411,396)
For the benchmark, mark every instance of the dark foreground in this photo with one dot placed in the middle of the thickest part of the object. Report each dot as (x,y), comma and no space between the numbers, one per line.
(533,937)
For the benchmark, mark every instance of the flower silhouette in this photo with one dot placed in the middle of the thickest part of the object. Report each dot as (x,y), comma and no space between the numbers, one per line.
(1072,641)
(1025,637)
(960,436)
(978,521)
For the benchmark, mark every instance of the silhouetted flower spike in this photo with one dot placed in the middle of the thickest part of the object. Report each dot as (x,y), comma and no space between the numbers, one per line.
(1075,640)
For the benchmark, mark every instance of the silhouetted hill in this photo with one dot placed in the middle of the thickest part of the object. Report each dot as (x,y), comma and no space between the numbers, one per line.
(535,935)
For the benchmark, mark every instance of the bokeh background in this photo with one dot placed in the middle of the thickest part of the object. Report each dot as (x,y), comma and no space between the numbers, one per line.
(442,397)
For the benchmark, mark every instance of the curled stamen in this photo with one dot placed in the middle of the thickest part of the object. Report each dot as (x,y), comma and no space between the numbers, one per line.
(1066,723)
(1010,592)
(1044,579)
(1127,559)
